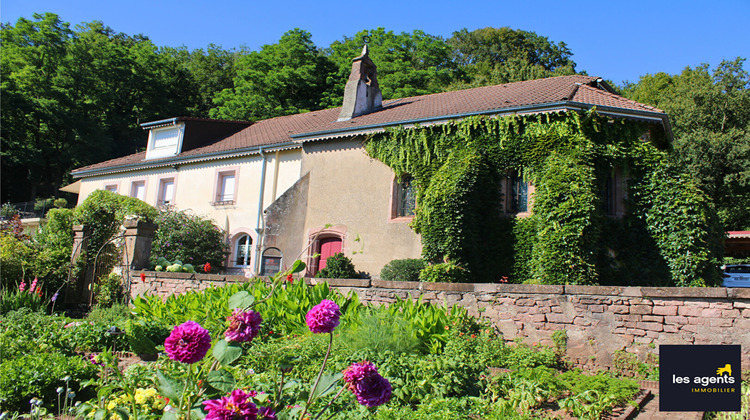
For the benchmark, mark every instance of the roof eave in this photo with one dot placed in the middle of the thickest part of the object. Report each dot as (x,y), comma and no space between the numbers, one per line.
(177,160)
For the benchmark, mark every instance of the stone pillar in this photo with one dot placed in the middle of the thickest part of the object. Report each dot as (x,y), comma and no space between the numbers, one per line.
(77,289)
(138,238)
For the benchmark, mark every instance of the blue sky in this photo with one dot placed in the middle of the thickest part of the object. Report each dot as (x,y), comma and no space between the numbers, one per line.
(617,40)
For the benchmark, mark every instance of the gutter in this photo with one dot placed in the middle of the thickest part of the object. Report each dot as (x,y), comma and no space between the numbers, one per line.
(145,164)
(259,228)
(526,109)
(160,123)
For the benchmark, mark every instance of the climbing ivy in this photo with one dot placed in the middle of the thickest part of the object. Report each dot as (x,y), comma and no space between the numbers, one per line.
(459,169)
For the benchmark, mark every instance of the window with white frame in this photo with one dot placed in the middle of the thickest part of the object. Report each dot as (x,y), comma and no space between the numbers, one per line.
(111,188)
(226,188)
(166,192)
(243,250)
(138,190)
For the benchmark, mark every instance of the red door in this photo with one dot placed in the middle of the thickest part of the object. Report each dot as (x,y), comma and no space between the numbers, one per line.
(328,247)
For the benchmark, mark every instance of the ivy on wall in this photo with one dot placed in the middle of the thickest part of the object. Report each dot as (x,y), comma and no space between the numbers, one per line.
(460,169)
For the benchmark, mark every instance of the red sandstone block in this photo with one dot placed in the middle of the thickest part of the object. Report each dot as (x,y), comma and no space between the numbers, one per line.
(556,309)
(670,329)
(720,322)
(636,332)
(746,313)
(653,318)
(651,326)
(559,319)
(641,309)
(665,310)
(596,308)
(711,313)
(689,311)
(678,320)
(581,321)
(720,305)
(696,321)
(620,309)
(730,313)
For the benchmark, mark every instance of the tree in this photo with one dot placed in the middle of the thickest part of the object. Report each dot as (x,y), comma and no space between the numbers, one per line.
(503,55)
(710,116)
(281,79)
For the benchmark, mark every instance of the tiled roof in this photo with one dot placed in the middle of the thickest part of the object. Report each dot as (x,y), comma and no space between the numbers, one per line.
(554,93)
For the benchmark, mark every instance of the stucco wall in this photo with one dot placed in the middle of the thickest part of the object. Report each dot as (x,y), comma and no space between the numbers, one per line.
(599,320)
(195,187)
(352,192)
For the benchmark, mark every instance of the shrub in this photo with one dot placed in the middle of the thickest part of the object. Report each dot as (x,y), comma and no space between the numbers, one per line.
(382,331)
(189,239)
(338,266)
(108,290)
(402,270)
(55,244)
(144,335)
(15,258)
(39,375)
(443,273)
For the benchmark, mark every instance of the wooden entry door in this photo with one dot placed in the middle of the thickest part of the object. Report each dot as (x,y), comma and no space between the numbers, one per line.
(328,248)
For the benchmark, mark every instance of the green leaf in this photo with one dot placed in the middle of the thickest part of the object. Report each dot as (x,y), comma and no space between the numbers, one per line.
(123,413)
(298,266)
(169,415)
(226,353)
(222,380)
(241,299)
(168,387)
(326,385)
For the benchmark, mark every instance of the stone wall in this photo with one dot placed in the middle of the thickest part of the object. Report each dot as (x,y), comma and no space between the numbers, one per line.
(599,320)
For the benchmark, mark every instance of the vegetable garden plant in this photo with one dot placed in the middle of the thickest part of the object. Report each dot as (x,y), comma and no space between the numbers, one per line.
(281,349)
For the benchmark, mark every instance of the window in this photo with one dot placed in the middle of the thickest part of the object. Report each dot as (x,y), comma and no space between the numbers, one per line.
(226,187)
(243,250)
(519,195)
(111,188)
(404,198)
(166,192)
(138,190)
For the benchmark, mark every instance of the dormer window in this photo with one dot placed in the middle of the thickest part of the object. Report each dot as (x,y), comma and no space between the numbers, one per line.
(165,141)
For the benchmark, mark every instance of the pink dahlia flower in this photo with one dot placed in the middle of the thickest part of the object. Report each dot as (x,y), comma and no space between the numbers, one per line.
(266,413)
(243,326)
(188,342)
(323,317)
(370,388)
(236,406)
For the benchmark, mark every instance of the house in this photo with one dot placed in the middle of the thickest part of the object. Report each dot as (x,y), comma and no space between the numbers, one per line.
(303,186)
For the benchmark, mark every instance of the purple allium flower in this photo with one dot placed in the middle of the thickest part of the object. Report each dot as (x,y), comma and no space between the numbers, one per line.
(266,413)
(323,317)
(188,342)
(54,297)
(243,326)
(236,406)
(370,388)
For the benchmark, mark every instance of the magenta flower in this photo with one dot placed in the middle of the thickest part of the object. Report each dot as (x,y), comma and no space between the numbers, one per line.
(370,388)
(188,342)
(243,326)
(323,317)
(33,285)
(236,406)
(266,413)
(22,286)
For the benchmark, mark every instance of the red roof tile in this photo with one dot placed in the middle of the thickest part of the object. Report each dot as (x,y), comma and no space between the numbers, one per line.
(521,97)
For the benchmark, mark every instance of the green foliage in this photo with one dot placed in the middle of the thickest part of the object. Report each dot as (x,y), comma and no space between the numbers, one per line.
(16,258)
(338,266)
(627,364)
(460,167)
(55,244)
(710,116)
(39,375)
(189,239)
(444,273)
(108,290)
(145,334)
(380,331)
(13,299)
(402,270)
(564,209)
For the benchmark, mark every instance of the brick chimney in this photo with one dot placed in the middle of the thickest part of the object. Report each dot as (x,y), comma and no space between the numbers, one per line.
(362,93)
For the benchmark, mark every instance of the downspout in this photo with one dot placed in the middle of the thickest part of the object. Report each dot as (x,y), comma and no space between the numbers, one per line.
(259,223)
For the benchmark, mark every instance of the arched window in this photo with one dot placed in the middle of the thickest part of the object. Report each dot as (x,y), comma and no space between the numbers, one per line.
(243,250)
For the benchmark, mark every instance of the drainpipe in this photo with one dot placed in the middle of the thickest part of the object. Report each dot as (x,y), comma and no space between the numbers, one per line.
(259,223)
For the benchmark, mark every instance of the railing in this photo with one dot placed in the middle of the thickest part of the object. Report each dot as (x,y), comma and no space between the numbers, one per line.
(26,210)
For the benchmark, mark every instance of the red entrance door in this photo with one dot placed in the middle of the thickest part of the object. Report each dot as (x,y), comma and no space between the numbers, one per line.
(328,247)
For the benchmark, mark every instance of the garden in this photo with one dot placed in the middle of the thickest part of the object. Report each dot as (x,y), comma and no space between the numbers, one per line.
(280,349)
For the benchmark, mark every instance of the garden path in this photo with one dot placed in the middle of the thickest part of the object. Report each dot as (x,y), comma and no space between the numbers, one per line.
(650,411)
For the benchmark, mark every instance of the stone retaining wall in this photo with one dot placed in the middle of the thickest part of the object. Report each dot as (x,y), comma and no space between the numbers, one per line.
(599,320)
